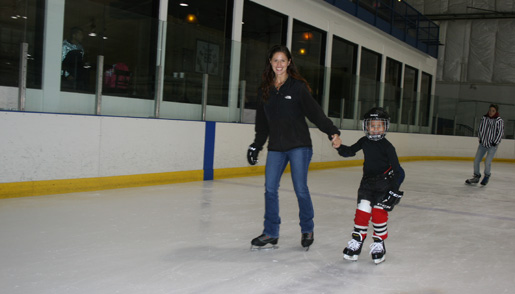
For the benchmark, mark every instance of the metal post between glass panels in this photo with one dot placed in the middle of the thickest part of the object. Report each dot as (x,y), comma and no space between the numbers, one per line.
(358,117)
(342,108)
(243,88)
(436,124)
(454,126)
(357,103)
(474,123)
(205,80)
(159,91)
(98,87)
(408,124)
(22,86)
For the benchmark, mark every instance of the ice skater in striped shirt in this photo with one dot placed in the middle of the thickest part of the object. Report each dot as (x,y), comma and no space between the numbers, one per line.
(490,132)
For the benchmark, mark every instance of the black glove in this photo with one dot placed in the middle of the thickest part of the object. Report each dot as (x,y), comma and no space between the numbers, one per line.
(252,154)
(345,151)
(390,200)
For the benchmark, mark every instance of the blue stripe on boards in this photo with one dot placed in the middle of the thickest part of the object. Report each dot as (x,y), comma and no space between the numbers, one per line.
(209,150)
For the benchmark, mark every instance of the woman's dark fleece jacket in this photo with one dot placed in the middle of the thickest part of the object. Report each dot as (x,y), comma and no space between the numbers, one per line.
(282,119)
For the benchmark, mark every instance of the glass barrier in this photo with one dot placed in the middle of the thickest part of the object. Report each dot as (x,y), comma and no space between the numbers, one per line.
(196,96)
(368,95)
(342,94)
(392,104)
(462,118)
(124,35)
(207,78)
(21,22)
(106,62)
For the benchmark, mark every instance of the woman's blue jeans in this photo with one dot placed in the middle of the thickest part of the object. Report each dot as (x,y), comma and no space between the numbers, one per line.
(490,152)
(276,162)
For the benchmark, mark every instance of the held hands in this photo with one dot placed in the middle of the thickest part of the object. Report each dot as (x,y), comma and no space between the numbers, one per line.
(343,150)
(252,154)
(336,141)
(390,200)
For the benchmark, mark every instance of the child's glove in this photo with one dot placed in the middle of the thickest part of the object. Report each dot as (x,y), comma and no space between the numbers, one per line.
(390,200)
(345,151)
(252,154)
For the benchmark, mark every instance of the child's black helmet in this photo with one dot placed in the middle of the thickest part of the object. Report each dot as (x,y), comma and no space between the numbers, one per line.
(377,114)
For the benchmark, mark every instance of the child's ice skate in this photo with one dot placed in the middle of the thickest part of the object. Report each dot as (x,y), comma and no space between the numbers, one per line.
(352,251)
(377,250)
(262,240)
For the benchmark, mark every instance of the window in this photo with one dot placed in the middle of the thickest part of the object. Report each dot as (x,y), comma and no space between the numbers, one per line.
(343,70)
(370,74)
(409,99)
(21,22)
(124,32)
(262,28)
(425,99)
(392,91)
(308,51)
(198,43)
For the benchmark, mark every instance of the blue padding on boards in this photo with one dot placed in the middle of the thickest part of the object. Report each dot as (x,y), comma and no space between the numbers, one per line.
(209,150)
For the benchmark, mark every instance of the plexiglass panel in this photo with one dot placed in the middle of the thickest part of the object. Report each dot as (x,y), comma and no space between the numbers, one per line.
(21,22)
(342,88)
(409,97)
(369,77)
(262,28)
(308,51)
(124,33)
(188,67)
(392,91)
(197,44)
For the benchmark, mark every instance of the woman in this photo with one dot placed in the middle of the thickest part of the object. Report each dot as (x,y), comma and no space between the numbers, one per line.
(284,103)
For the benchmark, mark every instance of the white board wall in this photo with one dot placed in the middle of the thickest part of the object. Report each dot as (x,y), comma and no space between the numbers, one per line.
(41,146)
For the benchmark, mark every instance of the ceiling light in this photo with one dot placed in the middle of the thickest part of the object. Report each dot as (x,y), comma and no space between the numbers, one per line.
(191,18)
(307,36)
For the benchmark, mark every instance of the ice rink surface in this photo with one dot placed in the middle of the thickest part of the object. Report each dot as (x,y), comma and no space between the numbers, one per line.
(444,237)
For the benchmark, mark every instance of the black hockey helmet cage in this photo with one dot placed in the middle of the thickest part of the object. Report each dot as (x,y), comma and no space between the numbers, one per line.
(376,123)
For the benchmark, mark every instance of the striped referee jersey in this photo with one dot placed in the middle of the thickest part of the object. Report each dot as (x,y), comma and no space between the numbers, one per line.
(491,130)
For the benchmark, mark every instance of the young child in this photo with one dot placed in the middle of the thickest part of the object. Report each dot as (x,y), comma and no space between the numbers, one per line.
(379,191)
